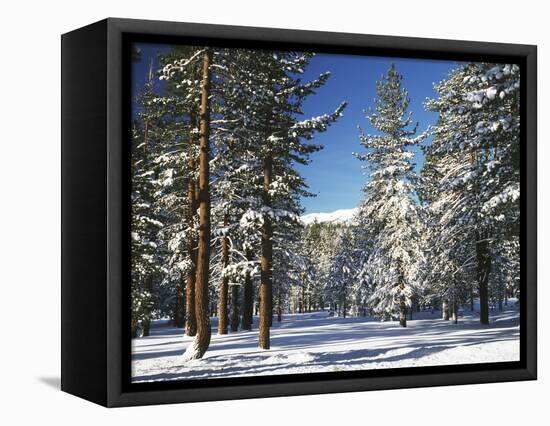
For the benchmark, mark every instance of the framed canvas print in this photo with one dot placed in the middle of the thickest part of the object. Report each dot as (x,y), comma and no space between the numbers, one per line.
(251,212)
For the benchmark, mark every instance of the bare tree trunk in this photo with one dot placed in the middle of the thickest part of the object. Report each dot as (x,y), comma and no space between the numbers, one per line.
(269,301)
(133,329)
(248,298)
(402,312)
(279,304)
(455,312)
(266,262)
(483,261)
(472,299)
(344,306)
(344,301)
(224,285)
(202,339)
(234,308)
(500,296)
(483,269)
(190,317)
(179,310)
(445,310)
(146,324)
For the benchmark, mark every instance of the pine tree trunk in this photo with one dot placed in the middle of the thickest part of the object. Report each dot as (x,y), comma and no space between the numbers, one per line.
(445,310)
(190,318)
(266,262)
(146,324)
(472,299)
(402,312)
(248,298)
(279,304)
(202,339)
(500,296)
(269,316)
(224,285)
(179,310)
(234,308)
(455,312)
(344,300)
(344,307)
(483,261)
(483,269)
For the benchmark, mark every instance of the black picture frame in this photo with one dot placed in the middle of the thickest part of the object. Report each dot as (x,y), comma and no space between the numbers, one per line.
(95,210)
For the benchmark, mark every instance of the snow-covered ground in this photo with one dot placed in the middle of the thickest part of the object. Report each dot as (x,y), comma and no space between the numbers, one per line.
(315,342)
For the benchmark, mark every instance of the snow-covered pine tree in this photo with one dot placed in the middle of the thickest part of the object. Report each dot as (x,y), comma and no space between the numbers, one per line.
(305,275)
(143,228)
(275,144)
(342,274)
(148,251)
(314,248)
(180,73)
(236,190)
(254,106)
(202,338)
(478,105)
(288,267)
(389,208)
(325,239)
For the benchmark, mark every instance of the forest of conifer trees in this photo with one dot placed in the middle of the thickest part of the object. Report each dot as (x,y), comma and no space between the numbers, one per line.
(219,143)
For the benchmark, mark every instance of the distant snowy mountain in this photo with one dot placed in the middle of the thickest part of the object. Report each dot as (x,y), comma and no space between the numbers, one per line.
(338,216)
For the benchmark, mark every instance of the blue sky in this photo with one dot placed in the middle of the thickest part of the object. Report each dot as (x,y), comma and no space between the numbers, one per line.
(334,174)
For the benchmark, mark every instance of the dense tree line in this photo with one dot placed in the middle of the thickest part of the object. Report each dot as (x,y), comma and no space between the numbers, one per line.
(223,187)
(449,234)
(216,193)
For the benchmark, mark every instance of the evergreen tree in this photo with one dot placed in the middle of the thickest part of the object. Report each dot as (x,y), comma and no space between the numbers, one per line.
(180,72)
(389,208)
(275,143)
(478,106)
(202,338)
(342,275)
(147,256)
(144,227)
